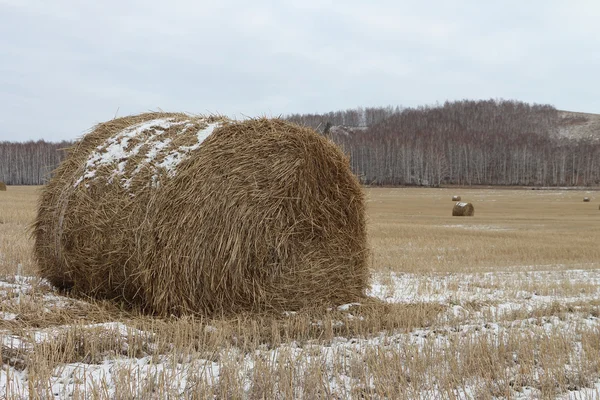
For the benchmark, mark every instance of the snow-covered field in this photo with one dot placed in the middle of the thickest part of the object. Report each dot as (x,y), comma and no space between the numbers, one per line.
(505,304)
(476,308)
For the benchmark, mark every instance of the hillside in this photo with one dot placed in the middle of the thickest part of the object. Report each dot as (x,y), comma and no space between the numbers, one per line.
(577,125)
(489,142)
(571,125)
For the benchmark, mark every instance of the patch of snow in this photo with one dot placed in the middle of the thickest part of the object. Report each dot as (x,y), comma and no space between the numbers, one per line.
(210,329)
(14,342)
(346,307)
(120,376)
(492,287)
(8,316)
(478,227)
(583,394)
(203,134)
(177,156)
(13,383)
(115,151)
(116,327)
(475,305)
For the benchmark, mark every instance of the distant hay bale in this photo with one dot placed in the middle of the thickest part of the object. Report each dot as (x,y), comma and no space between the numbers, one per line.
(2,187)
(586,199)
(183,214)
(456,198)
(463,210)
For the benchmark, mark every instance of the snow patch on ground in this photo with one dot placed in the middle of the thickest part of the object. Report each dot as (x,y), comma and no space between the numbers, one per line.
(495,294)
(478,227)
(509,288)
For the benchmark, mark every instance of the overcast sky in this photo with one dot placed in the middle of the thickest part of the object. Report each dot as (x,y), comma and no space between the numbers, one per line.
(67,65)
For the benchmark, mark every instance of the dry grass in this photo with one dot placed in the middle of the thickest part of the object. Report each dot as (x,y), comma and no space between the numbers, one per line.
(506,305)
(411,230)
(17,212)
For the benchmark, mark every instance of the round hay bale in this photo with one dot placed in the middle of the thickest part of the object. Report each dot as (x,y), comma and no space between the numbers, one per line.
(182,214)
(586,199)
(456,198)
(463,210)
(2,187)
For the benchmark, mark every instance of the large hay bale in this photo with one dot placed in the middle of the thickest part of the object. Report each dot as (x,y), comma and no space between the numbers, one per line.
(586,199)
(182,214)
(456,198)
(463,210)
(2,187)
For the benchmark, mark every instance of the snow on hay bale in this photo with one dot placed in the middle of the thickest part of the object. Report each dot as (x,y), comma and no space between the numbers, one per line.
(586,199)
(463,210)
(456,198)
(2,187)
(185,214)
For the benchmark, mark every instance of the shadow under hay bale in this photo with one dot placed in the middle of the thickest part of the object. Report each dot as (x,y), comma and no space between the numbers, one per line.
(2,187)
(463,210)
(586,199)
(456,198)
(180,214)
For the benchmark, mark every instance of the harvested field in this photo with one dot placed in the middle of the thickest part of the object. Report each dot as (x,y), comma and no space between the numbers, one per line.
(505,304)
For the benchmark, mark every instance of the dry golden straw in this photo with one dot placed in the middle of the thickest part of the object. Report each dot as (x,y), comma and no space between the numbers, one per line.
(262,215)
(463,210)
(2,187)
(456,198)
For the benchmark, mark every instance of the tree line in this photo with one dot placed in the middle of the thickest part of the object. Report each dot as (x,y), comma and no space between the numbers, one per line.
(355,117)
(29,163)
(490,142)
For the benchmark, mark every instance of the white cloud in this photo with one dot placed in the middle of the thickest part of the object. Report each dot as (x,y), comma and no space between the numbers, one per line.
(67,65)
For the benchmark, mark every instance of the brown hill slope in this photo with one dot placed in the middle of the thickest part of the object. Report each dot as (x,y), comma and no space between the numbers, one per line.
(577,125)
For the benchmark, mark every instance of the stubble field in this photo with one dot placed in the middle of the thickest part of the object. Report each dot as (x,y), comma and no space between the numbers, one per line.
(505,304)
